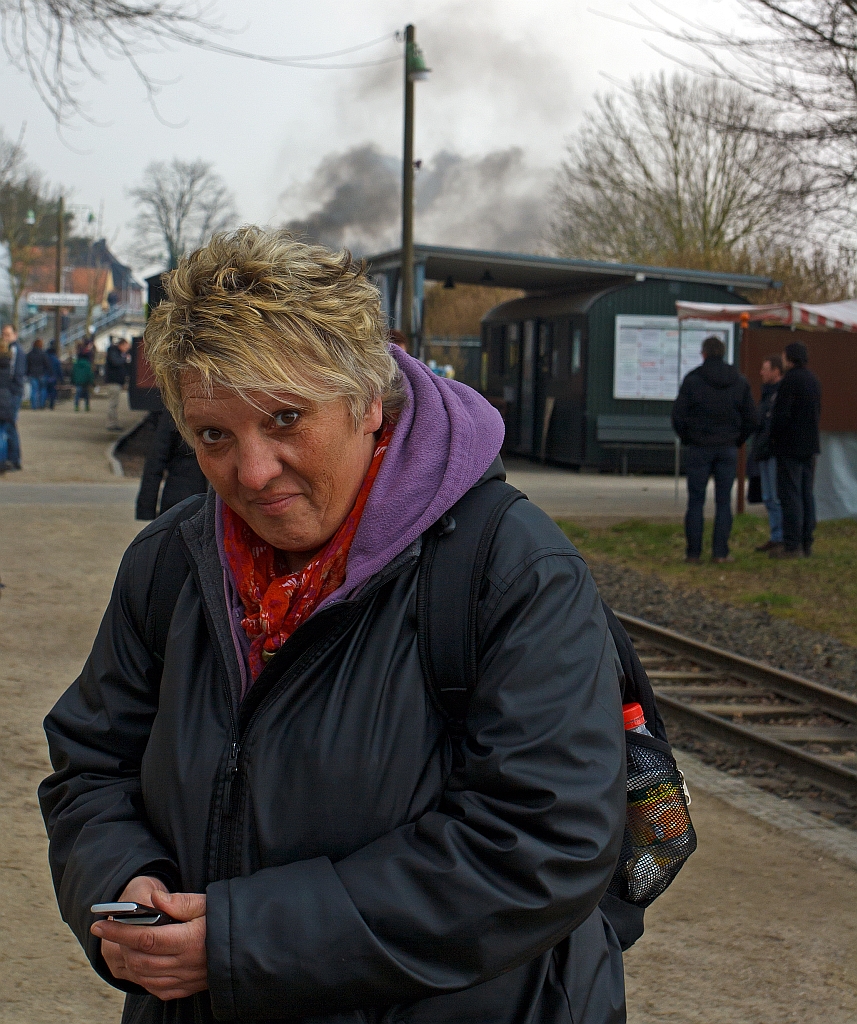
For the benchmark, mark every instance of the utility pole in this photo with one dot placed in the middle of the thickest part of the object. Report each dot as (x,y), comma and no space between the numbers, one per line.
(407,327)
(58,281)
(415,71)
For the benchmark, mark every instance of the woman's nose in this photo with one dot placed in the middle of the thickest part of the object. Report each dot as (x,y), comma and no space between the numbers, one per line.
(258,463)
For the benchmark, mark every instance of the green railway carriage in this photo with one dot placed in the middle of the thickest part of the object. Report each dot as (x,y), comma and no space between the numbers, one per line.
(585,366)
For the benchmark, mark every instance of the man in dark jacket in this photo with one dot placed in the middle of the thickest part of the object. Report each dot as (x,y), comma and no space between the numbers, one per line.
(116,369)
(795,443)
(771,374)
(169,454)
(38,370)
(18,373)
(713,416)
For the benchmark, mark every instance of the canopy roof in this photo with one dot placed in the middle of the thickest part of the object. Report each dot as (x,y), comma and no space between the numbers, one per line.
(835,316)
(545,273)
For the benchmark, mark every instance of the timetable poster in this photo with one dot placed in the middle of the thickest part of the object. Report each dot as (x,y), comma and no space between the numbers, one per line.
(646,355)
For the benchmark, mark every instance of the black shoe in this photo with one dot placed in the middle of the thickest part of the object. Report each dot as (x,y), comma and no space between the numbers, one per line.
(769,545)
(14,465)
(693,559)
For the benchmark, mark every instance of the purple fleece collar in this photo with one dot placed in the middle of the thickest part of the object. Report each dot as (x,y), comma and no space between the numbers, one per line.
(446,438)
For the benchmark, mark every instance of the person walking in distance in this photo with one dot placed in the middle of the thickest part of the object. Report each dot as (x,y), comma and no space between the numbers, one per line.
(771,374)
(17,373)
(713,415)
(7,407)
(795,443)
(116,368)
(82,377)
(54,377)
(38,370)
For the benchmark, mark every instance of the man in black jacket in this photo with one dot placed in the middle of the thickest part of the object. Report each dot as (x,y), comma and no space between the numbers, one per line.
(771,374)
(794,444)
(170,455)
(116,369)
(713,415)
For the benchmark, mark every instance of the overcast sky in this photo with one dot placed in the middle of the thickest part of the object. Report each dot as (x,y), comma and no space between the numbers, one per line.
(510,81)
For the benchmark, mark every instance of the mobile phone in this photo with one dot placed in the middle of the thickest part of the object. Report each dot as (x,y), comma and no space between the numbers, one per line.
(132,913)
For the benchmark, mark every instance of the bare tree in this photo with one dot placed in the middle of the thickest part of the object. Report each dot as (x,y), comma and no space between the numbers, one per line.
(181,205)
(27,216)
(55,42)
(802,56)
(650,178)
(58,43)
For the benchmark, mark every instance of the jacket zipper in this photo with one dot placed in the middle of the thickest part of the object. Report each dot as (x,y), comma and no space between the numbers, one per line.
(230,790)
(224,868)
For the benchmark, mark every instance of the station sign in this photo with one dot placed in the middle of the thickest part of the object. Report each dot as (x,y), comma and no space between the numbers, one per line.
(58,299)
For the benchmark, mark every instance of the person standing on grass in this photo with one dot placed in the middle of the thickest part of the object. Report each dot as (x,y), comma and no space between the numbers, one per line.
(771,374)
(82,377)
(795,443)
(18,372)
(713,415)
(116,368)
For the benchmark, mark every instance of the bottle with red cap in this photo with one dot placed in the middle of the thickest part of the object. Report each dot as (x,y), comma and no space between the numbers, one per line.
(635,720)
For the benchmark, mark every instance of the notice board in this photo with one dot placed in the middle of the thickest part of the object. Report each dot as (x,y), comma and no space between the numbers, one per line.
(646,354)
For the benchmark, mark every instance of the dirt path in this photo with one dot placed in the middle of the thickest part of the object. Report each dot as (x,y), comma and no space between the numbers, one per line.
(759,927)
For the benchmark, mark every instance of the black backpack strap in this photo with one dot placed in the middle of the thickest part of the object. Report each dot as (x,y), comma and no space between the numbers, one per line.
(447,598)
(171,571)
(635,684)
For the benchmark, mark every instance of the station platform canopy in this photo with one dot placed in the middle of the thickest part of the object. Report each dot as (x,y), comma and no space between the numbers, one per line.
(533,273)
(832,316)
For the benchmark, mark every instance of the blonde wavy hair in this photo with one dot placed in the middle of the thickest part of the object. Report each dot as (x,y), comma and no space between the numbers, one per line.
(258,310)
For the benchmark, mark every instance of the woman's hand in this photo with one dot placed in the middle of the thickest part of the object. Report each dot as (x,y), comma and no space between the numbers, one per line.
(167,960)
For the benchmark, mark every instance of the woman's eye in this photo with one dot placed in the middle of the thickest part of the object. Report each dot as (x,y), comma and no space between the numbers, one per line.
(211,435)
(286,418)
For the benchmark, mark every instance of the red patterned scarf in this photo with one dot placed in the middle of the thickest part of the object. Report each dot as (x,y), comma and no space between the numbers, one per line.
(276,603)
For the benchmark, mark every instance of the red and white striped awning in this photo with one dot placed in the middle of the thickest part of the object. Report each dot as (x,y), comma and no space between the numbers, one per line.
(835,316)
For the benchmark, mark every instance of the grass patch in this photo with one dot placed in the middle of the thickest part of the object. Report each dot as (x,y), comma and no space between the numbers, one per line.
(818,592)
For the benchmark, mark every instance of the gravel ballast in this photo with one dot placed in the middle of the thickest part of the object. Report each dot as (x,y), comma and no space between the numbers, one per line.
(751,632)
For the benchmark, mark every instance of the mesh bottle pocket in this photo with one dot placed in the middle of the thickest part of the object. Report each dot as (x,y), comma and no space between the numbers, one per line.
(659,835)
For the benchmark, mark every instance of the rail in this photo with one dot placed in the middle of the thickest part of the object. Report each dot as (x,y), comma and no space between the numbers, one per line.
(806,725)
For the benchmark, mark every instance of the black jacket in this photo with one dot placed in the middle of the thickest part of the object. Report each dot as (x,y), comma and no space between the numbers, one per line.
(38,364)
(714,407)
(796,413)
(7,407)
(169,453)
(116,366)
(762,440)
(365,865)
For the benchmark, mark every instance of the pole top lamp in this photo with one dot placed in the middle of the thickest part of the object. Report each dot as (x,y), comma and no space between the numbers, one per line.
(415,63)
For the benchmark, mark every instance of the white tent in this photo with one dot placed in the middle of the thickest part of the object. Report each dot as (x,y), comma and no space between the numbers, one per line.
(836,469)
(834,316)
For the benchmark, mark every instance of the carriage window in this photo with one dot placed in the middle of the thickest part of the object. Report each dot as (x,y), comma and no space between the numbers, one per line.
(511,346)
(576,345)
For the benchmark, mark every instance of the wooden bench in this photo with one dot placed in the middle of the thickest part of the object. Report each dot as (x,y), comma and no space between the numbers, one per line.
(626,432)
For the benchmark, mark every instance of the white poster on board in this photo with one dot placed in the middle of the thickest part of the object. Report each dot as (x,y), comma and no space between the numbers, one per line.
(646,354)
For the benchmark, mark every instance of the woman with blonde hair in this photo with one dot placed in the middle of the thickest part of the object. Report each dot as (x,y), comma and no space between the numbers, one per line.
(277,777)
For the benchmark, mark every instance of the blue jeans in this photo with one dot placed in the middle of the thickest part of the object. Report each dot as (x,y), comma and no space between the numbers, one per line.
(768,473)
(4,441)
(81,394)
(702,463)
(37,393)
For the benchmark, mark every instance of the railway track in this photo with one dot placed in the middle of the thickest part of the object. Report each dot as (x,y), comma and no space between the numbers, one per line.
(805,725)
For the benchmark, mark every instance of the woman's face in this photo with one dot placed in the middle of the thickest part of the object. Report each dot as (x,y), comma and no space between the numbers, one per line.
(292,470)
